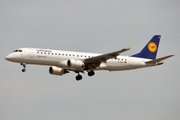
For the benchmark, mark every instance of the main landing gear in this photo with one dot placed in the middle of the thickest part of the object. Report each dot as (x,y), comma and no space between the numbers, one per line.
(24,67)
(78,77)
(90,73)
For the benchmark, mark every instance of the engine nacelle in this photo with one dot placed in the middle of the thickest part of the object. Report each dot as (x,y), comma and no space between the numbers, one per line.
(57,71)
(76,64)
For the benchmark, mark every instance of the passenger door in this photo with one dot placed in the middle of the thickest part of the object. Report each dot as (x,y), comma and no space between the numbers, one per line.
(31,52)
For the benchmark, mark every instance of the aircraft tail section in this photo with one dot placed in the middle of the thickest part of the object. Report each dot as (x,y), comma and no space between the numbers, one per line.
(150,50)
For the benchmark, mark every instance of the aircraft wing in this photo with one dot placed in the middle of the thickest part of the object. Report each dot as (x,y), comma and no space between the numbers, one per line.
(94,62)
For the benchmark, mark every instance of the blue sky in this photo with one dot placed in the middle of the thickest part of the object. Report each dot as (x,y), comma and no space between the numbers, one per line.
(100,26)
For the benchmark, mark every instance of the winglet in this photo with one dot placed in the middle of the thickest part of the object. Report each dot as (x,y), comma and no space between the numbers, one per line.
(130,45)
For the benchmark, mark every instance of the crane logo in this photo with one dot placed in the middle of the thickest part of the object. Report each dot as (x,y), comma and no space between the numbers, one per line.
(152,47)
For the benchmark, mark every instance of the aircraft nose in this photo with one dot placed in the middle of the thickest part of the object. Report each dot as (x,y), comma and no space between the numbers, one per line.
(9,57)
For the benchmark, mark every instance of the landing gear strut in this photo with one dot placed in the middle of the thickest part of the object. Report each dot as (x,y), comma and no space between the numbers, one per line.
(24,67)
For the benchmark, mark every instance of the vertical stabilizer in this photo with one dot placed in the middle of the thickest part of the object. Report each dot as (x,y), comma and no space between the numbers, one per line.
(151,49)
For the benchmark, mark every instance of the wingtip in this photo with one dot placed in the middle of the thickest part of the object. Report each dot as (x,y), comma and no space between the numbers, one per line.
(129,47)
(171,55)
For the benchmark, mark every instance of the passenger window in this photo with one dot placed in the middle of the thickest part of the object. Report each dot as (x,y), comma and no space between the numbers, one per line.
(20,50)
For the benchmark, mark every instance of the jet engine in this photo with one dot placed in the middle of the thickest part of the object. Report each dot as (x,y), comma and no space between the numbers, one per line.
(57,71)
(75,64)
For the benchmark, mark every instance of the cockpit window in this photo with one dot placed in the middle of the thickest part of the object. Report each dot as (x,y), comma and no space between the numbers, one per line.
(15,51)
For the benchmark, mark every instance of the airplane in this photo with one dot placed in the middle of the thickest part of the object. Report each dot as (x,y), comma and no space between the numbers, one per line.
(62,62)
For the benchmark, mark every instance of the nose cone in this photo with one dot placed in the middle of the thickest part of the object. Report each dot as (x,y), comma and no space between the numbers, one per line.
(9,57)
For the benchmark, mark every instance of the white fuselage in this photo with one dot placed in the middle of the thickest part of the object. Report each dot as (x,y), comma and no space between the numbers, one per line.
(55,57)
(62,62)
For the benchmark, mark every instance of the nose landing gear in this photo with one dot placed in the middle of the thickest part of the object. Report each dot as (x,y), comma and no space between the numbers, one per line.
(24,67)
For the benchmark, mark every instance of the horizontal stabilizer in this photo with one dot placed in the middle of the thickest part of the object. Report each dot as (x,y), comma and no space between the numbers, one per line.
(159,59)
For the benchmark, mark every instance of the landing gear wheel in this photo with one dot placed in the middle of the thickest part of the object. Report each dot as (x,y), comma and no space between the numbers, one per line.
(91,73)
(78,77)
(23,70)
